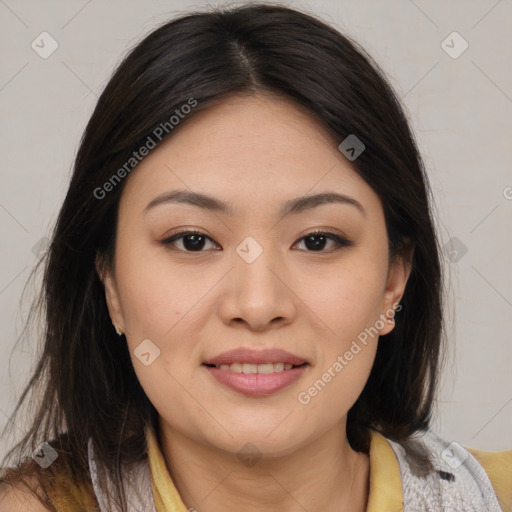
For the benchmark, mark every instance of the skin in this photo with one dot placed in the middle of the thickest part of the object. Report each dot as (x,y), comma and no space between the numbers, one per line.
(254,152)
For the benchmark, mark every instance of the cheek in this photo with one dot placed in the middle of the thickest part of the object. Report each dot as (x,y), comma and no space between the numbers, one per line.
(154,295)
(342,370)
(345,298)
(341,382)
(346,306)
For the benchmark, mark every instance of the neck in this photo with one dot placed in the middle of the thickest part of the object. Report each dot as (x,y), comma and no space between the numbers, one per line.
(326,475)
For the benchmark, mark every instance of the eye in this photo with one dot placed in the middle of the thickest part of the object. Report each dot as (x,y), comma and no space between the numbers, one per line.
(191,240)
(195,241)
(317,240)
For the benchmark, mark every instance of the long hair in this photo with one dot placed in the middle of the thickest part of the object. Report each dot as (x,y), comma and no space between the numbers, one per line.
(86,382)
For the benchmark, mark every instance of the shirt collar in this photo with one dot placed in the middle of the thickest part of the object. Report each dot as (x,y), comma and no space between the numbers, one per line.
(385,484)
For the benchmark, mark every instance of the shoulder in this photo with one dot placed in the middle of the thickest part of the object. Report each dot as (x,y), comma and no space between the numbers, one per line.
(484,477)
(20,498)
(62,485)
(498,466)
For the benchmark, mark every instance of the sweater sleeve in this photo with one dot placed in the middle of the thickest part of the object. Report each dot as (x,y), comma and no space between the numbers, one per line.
(498,466)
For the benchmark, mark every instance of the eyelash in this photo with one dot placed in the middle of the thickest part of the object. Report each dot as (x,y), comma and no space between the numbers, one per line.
(340,241)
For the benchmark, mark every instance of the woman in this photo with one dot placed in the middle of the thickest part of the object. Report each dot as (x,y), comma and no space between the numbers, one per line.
(243,292)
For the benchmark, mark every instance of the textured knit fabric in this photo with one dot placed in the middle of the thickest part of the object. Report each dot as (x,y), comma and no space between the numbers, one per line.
(459,483)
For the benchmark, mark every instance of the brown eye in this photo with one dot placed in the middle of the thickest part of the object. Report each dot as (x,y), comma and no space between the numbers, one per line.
(317,241)
(191,241)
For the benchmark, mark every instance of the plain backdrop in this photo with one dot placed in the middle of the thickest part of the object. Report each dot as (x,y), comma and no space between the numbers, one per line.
(459,101)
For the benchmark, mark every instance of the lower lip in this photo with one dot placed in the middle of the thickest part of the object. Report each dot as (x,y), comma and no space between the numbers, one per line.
(257,383)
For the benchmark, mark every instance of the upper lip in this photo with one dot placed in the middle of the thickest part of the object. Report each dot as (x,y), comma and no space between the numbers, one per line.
(247,355)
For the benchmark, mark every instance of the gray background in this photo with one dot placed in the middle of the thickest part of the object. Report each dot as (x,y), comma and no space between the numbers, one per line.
(460,109)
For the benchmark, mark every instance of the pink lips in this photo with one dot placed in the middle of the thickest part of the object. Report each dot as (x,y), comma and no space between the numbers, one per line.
(256,383)
(247,355)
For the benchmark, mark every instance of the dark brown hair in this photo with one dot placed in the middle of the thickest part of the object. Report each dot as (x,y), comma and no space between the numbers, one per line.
(88,387)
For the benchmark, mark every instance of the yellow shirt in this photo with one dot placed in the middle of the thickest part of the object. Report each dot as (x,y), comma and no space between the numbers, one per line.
(385,484)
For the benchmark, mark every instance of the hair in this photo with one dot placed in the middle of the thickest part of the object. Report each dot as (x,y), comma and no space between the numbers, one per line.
(87,385)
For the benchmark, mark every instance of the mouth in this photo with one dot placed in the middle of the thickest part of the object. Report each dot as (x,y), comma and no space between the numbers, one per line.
(252,368)
(255,380)
(249,359)
(256,372)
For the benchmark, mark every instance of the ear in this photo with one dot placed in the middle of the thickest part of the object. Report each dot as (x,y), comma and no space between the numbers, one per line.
(107,277)
(398,275)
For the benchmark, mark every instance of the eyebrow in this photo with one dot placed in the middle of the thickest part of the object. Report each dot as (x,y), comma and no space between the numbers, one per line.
(290,207)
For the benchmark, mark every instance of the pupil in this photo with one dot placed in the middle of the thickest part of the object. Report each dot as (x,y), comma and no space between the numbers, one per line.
(197,241)
(315,245)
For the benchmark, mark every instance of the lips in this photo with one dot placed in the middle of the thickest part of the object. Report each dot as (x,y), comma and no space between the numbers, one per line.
(246,355)
(247,371)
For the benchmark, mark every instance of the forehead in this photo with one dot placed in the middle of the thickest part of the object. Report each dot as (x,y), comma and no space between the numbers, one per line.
(248,151)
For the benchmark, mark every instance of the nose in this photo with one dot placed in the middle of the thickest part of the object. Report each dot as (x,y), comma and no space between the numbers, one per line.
(259,293)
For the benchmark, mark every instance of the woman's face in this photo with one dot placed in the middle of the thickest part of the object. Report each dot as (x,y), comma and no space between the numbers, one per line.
(255,278)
